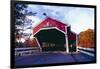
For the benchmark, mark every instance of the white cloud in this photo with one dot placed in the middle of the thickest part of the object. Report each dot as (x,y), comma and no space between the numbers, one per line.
(35,20)
(80,19)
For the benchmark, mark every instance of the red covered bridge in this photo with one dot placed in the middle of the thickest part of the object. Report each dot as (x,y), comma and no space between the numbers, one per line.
(53,35)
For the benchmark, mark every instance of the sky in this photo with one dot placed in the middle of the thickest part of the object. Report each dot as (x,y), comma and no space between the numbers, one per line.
(80,19)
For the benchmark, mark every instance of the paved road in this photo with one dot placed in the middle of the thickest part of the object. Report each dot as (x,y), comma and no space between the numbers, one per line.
(48,58)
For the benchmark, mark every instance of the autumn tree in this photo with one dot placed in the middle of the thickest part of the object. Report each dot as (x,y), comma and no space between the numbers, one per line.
(86,38)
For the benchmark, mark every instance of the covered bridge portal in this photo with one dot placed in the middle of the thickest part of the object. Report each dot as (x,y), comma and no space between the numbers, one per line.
(51,40)
(52,36)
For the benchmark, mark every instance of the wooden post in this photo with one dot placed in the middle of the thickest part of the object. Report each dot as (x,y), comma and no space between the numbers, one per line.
(66,37)
(76,43)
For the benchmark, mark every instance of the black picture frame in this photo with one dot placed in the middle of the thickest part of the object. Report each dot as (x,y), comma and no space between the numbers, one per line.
(12,30)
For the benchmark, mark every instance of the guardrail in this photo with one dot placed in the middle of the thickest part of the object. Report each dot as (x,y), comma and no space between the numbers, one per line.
(26,51)
(88,51)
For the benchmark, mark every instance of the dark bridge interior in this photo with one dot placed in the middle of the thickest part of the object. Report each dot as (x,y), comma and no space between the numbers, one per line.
(51,40)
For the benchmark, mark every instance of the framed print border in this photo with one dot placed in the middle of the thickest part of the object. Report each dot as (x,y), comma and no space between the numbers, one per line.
(12,29)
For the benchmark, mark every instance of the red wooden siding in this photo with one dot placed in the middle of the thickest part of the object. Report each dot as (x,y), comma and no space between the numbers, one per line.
(50,23)
(71,35)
